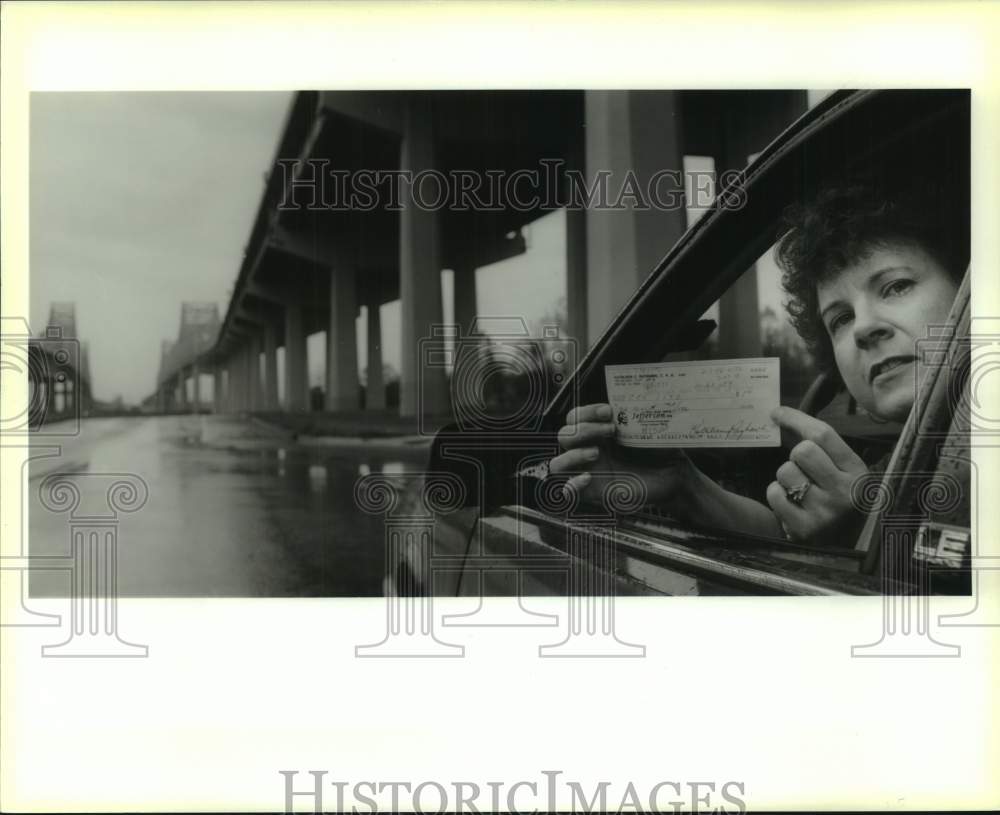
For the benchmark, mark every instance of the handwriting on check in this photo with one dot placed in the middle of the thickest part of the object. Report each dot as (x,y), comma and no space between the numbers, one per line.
(722,403)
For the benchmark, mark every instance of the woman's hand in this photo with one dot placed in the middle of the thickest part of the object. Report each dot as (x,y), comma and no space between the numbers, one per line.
(820,472)
(590,459)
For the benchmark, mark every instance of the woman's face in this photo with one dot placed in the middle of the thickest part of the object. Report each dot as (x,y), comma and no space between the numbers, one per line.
(874,312)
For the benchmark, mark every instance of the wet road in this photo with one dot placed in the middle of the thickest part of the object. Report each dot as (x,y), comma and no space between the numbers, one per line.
(233,510)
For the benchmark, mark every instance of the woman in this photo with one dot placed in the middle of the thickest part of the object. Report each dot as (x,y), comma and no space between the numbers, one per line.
(865,278)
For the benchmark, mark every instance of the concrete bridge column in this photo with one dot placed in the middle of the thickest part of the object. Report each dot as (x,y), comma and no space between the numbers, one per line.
(576,276)
(638,132)
(419,271)
(271,368)
(239,382)
(231,384)
(341,342)
(296,395)
(227,396)
(217,388)
(375,388)
(182,387)
(576,256)
(465,297)
(255,396)
(245,385)
(196,387)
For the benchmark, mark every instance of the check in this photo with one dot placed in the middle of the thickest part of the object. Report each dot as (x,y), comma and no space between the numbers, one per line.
(718,403)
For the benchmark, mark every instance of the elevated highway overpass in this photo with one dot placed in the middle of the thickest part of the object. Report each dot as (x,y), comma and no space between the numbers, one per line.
(314,256)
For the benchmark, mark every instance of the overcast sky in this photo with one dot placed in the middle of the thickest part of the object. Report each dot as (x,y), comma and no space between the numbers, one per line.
(139,202)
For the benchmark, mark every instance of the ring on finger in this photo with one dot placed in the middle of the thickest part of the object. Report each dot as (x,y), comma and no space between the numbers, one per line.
(797,494)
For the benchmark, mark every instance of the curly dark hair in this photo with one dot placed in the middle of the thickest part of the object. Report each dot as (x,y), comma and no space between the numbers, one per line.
(841,226)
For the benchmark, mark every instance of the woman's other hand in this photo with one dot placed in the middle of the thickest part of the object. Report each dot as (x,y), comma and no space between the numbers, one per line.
(811,495)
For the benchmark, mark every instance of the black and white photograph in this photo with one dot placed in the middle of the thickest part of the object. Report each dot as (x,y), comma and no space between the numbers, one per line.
(477,375)
(699,318)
